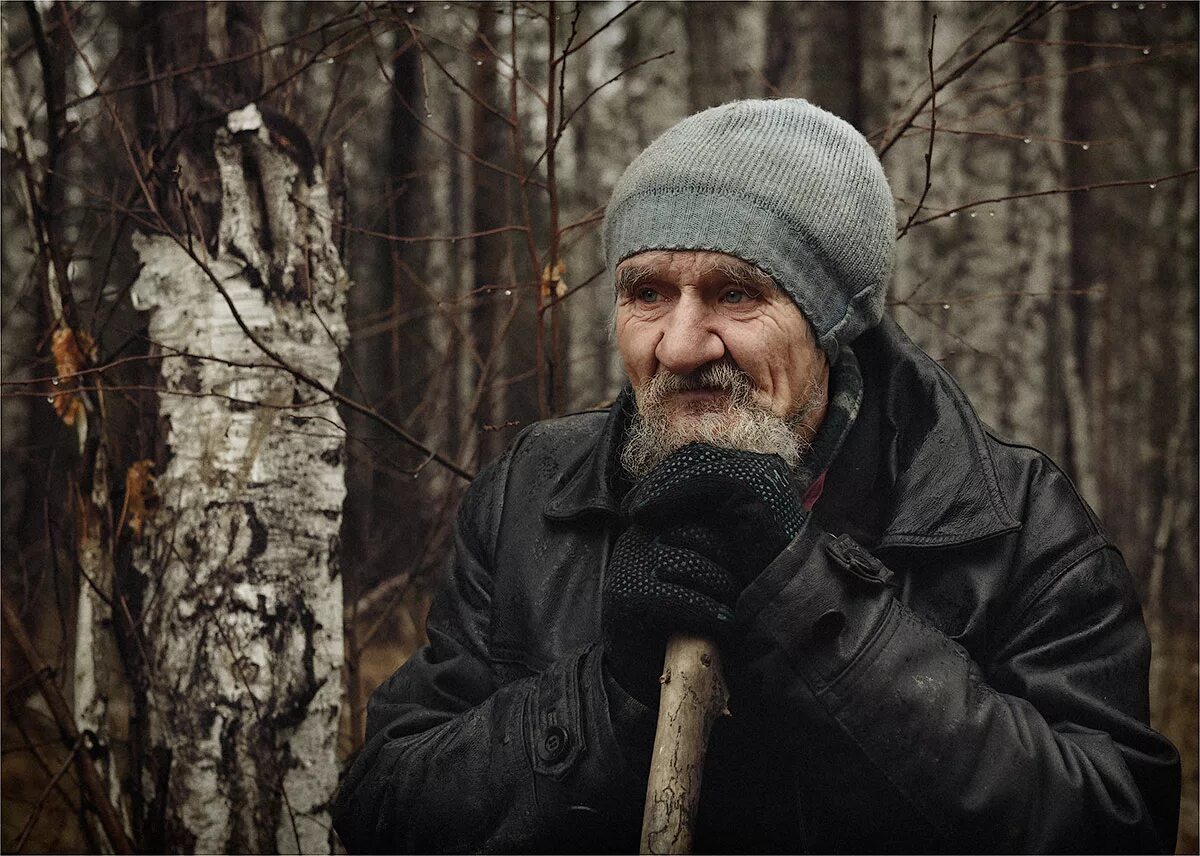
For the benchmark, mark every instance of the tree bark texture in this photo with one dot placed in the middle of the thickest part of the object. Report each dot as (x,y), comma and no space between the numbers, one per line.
(242,620)
(1069,319)
(100,686)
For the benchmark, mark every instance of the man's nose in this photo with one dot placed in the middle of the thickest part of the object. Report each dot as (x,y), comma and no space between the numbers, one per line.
(690,339)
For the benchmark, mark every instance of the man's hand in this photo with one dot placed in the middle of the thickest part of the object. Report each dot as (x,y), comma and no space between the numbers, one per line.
(737,508)
(703,524)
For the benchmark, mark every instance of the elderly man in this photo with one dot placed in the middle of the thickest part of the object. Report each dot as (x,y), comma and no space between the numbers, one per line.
(930,643)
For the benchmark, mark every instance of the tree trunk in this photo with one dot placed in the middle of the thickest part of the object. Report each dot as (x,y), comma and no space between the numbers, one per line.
(225,603)
(242,622)
(722,52)
(410,355)
(592,375)
(814,51)
(980,309)
(489,211)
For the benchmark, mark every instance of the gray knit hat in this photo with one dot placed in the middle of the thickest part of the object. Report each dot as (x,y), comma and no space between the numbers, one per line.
(781,184)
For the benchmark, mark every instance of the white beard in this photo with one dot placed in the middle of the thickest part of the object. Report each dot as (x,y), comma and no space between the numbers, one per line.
(734,421)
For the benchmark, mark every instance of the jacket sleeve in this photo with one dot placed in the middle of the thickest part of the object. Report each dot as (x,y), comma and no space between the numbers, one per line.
(1042,748)
(455,760)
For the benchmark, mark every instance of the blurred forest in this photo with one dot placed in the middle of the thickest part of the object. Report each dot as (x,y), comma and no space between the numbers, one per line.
(381,271)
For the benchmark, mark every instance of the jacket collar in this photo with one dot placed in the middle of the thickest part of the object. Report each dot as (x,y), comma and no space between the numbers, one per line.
(597,482)
(914,471)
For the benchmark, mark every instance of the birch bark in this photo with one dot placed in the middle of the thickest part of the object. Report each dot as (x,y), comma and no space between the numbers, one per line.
(242,607)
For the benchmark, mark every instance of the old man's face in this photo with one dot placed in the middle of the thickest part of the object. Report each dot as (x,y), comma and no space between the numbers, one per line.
(716,353)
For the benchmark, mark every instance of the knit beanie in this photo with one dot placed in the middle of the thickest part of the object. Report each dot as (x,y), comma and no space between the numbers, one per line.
(782,184)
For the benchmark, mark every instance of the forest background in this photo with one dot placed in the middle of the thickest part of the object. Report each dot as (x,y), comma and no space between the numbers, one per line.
(252,355)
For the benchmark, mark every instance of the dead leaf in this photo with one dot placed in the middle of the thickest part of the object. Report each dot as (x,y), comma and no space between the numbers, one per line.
(141,497)
(71,350)
(552,281)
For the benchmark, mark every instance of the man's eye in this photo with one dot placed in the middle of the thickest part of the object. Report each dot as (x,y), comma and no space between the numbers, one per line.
(735,296)
(647,295)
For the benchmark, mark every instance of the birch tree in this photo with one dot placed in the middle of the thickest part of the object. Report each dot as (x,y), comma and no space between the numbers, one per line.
(242,617)
(224,636)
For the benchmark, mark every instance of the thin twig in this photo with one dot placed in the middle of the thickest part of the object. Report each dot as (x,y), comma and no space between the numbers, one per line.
(547,397)
(409,239)
(301,376)
(570,50)
(945,302)
(612,80)
(1083,44)
(574,289)
(454,80)
(1143,182)
(210,65)
(61,713)
(1025,138)
(474,158)
(932,135)
(1031,14)
(19,844)
(964,92)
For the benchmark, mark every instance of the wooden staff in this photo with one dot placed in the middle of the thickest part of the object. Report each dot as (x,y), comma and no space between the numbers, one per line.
(693,696)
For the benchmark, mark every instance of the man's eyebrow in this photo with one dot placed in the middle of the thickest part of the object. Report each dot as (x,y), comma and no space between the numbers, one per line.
(629,277)
(745,275)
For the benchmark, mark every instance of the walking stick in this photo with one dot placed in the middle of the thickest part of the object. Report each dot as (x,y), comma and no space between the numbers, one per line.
(693,696)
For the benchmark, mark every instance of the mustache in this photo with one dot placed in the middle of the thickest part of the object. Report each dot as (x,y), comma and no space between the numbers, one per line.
(722,376)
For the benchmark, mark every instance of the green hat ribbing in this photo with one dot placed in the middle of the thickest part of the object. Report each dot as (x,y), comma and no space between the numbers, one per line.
(781,184)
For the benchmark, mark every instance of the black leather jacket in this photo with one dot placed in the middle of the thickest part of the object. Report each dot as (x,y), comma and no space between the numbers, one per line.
(981,686)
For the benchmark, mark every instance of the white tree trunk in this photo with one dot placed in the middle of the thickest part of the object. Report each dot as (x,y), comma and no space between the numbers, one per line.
(100,688)
(974,289)
(242,609)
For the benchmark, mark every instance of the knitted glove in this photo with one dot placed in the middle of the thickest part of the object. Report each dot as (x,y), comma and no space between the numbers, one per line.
(737,508)
(704,523)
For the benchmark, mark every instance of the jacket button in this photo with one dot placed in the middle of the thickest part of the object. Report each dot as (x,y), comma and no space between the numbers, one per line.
(847,554)
(555,744)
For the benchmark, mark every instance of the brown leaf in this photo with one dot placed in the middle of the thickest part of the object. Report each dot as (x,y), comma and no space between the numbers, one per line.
(71,350)
(141,497)
(552,284)
(68,407)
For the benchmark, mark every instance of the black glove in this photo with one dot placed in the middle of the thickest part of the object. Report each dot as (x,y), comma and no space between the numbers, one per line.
(704,523)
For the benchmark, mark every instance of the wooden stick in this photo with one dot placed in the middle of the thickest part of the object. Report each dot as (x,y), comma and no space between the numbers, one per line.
(71,737)
(693,696)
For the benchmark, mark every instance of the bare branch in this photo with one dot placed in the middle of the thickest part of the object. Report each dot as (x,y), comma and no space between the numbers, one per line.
(19,844)
(1144,182)
(1024,138)
(612,80)
(572,49)
(1031,15)
(454,80)
(932,133)
(171,74)
(71,736)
